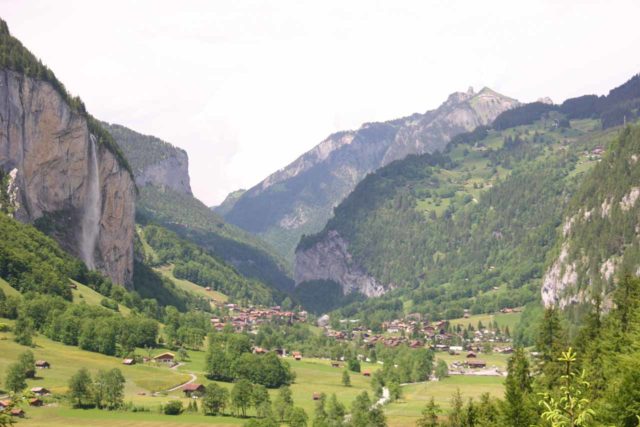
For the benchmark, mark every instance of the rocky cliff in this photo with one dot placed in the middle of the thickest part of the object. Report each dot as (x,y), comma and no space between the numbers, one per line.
(63,177)
(300,198)
(600,236)
(154,162)
(330,259)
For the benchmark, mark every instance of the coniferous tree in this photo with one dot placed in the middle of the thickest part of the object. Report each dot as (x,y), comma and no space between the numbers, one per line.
(429,416)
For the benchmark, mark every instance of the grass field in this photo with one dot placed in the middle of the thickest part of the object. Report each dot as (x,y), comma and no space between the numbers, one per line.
(190,287)
(503,319)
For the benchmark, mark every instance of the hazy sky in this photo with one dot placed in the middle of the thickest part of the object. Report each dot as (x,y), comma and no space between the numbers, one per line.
(247,86)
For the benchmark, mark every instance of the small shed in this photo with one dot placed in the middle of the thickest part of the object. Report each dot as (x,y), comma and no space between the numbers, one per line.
(35,402)
(335,364)
(17,412)
(5,404)
(366,373)
(193,389)
(471,355)
(128,362)
(42,364)
(297,355)
(316,395)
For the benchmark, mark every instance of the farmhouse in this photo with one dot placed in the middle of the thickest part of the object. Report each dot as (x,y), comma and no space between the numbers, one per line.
(297,355)
(42,364)
(17,412)
(477,363)
(5,403)
(193,389)
(165,358)
(128,362)
(40,391)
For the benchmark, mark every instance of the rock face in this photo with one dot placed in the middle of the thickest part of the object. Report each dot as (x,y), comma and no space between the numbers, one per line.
(154,162)
(299,199)
(57,167)
(330,259)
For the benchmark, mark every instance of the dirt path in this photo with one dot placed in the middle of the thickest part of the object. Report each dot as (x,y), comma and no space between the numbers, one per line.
(193,378)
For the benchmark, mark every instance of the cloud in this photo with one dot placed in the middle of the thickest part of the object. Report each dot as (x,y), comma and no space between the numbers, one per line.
(247,86)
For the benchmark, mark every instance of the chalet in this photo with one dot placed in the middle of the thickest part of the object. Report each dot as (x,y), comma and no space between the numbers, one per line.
(297,355)
(35,402)
(474,364)
(471,355)
(366,373)
(5,404)
(73,285)
(335,364)
(42,364)
(40,391)
(259,350)
(193,389)
(165,358)
(17,412)
(316,395)
(129,362)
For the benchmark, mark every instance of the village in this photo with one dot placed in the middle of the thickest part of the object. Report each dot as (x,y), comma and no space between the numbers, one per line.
(250,318)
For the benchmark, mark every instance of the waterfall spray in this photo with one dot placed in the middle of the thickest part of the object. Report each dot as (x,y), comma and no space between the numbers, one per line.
(91,214)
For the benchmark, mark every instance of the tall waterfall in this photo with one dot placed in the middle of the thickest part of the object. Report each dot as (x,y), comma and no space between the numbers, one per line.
(91,215)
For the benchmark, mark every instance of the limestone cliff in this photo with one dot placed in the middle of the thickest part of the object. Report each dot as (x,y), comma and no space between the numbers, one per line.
(63,178)
(299,199)
(330,259)
(154,162)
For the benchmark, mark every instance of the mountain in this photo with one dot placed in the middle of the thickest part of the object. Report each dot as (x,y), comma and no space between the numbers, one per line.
(600,235)
(164,197)
(63,172)
(300,198)
(153,161)
(473,226)
(229,202)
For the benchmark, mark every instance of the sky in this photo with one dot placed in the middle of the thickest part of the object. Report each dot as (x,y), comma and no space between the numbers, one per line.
(248,86)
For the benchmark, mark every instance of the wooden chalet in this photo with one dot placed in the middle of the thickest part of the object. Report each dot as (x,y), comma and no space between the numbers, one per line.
(128,362)
(40,391)
(297,355)
(165,358)
(366,373)
(36,402)
(316,395)
(477,363)
(193,389)
(17,412)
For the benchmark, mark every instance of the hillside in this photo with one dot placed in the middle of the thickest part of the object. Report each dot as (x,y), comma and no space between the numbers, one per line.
(300,198)
(599,237)
(469,228)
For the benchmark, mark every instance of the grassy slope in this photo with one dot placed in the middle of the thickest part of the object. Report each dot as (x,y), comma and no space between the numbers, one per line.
(185,285)
(85,294)
(7,288)
(504,319)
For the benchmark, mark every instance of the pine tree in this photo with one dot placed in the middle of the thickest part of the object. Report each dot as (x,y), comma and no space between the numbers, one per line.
(429,416)
(517,407)
(550,343)
(346,380)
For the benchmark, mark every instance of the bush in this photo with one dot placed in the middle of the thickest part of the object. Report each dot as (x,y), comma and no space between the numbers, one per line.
(174,407)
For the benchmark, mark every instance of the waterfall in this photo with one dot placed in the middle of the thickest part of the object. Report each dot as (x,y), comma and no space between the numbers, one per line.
(92,207)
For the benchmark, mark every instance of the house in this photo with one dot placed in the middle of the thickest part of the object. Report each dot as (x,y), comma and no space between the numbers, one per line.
(165,358)
(17,412)
(366,373)
(316,395)
(129,362)
(259,350)
(42,364)
(40,391)
(193,389)
(474,364)
(297,355)
(35,402)
(5,404)
(471,355)
(335,364)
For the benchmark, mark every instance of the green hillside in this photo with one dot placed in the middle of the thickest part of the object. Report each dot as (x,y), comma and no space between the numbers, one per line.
(192,220)
(469,228)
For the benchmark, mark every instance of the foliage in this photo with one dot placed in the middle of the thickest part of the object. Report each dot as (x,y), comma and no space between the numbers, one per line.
(80,388)
(15,380)
(215,399)
(173,407)
(321,296)
(346,379)
(442,369)
(571,409)
(429,416)
(241,396)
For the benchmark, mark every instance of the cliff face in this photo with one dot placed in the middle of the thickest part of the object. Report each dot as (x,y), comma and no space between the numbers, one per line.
(154,162)
(600,237)
(300,198)
(63,179)
(330,259)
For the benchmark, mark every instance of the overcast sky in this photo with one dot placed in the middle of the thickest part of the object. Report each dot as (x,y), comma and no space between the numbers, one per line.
(247,86)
